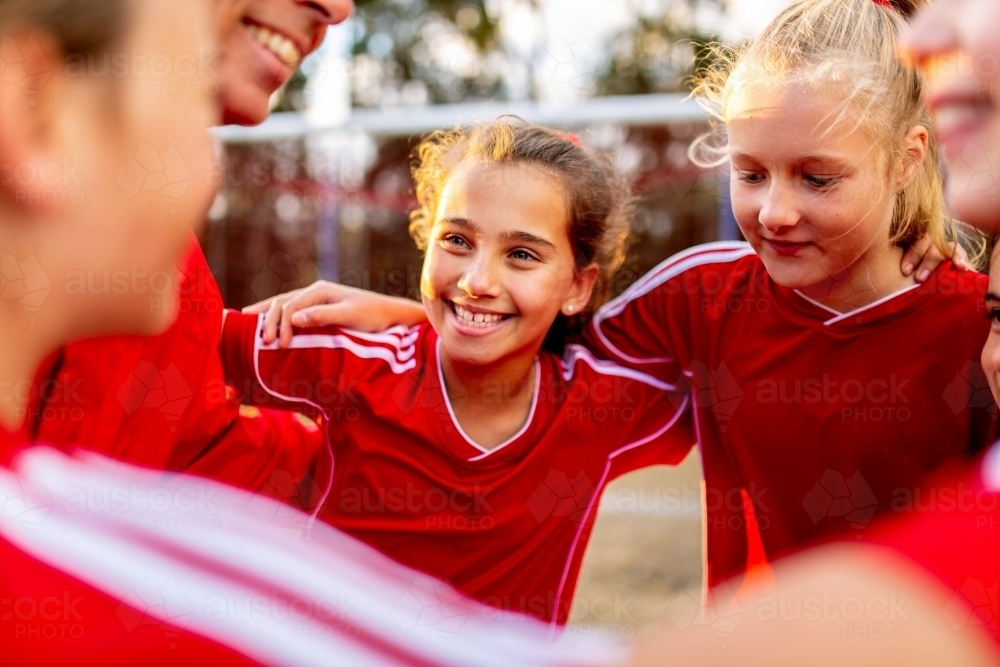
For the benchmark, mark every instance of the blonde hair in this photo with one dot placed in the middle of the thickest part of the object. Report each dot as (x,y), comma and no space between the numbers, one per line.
(598,199)
(848,45)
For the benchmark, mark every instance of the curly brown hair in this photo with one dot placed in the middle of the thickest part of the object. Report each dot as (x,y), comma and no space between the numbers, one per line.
(599,200)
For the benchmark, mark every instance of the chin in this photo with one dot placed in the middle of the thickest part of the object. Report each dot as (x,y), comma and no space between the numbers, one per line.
(974,207)
(787,275)
(244,107)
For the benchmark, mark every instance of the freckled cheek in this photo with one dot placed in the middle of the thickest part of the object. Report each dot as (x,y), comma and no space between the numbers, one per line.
(535,296)
(437,274)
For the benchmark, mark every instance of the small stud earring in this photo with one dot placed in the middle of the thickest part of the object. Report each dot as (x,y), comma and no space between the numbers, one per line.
(569,308)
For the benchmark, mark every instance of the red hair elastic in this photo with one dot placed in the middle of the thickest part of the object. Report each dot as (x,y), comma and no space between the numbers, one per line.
(884,3)
(570,137)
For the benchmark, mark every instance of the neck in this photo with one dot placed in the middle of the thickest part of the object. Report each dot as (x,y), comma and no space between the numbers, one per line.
(25,346)
(875,275)
(509,382)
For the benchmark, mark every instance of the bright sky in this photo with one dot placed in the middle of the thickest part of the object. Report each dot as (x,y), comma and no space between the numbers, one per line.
(575,30)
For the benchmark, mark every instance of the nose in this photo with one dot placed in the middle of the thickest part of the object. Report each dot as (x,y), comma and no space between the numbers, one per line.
(329,12)
(481,279)
(778,210)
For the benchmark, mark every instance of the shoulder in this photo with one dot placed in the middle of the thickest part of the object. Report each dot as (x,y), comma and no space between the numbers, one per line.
(710,268)
(959,289)
(578,366)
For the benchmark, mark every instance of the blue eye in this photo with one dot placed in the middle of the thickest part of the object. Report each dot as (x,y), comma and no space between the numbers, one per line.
(455,240)
(522,255)
(751,177)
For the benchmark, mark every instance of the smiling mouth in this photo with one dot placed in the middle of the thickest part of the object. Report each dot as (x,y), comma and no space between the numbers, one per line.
(282,47)
(476,320)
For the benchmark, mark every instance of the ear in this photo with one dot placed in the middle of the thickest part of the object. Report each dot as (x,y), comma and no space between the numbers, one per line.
(31,106)
(914,153)
(580,291)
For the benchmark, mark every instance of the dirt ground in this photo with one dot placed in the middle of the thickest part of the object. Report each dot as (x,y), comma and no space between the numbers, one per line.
(644,552)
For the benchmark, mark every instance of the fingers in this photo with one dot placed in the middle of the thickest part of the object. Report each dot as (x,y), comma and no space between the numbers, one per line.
(273,318)
(928,264)
(259,307)
(961,258)
(320,294)
(915,254)
(323,315)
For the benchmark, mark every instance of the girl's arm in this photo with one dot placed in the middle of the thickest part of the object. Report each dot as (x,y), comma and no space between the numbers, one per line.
(324,303)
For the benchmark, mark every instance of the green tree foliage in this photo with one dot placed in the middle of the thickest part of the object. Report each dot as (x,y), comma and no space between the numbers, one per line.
(433,51)
(659,51)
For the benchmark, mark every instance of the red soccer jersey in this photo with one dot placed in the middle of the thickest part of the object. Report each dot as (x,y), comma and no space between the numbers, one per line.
(954,533)
(809,421)
(108,564)
(161,401)
(508,525)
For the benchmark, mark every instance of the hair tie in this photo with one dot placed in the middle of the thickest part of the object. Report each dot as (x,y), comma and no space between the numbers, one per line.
(885,3)
(571,138)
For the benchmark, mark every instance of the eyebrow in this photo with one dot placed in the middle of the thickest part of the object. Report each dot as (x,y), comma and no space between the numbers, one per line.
(518,236)
(990,296)
(808,158)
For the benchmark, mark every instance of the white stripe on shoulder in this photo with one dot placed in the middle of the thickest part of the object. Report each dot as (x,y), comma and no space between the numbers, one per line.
(991,469)
(243,570)
(400,361)
(722,252)
(700,255)
(575,353)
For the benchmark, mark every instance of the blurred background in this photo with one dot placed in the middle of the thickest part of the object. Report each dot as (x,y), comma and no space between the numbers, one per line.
(322,190)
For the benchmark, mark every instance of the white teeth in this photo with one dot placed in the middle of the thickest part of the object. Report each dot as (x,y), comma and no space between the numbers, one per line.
(476,319)
(279,45)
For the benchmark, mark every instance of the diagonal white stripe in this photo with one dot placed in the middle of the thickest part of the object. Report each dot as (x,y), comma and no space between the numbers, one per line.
(347,604)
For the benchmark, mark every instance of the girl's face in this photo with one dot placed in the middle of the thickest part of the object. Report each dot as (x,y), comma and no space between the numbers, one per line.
(811,199)
(499,265)
(137,165)
(263,42)
(957,42)
(991,351)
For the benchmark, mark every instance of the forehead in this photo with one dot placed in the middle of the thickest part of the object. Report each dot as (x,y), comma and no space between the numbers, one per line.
(781,120)
(499,193)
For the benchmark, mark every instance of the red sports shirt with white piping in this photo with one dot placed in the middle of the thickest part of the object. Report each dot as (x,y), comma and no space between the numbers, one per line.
(809,421)
(161,401)
(953,532)
(105,563)
(507,526)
